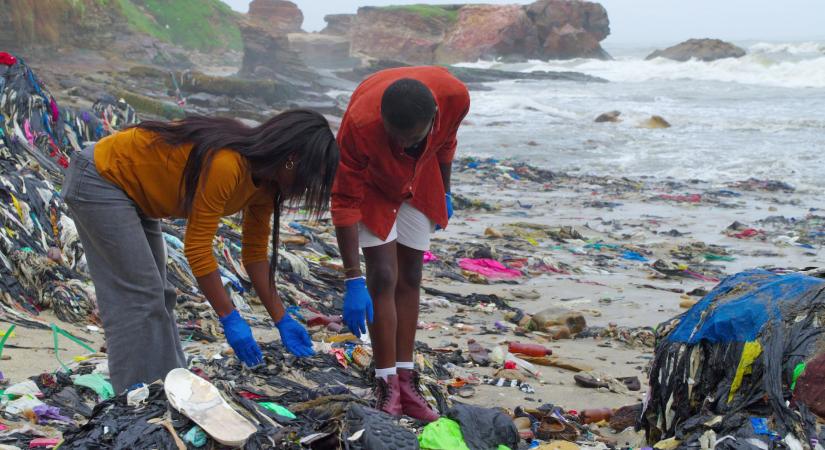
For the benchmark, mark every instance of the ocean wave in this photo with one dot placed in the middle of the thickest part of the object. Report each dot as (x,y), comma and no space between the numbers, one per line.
(798,48)
(765,65)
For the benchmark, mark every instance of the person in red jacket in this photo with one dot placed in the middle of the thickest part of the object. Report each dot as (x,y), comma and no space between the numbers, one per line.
(391,191)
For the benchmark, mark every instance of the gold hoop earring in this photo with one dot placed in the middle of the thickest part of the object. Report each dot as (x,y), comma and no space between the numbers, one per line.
(289,165)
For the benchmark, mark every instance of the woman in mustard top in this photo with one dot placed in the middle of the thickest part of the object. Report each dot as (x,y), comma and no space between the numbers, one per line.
(200,169)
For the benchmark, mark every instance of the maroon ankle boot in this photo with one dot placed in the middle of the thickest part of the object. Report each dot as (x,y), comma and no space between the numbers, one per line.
(413,403)
(388,395)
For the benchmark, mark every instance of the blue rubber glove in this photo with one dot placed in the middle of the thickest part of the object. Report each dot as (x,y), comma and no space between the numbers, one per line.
(357,304)
(239,336)
(295,337)
(449,199)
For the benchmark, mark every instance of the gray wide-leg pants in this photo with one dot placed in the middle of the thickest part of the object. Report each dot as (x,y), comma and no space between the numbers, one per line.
(126,256)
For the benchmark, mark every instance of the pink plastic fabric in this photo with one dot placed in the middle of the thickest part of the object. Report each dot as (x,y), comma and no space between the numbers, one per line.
(429,257)
(7,59)
(54,109)
(44,443)
(692,198)
(490,268)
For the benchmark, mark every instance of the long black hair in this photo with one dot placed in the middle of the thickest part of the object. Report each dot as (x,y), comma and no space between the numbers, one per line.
(299,138)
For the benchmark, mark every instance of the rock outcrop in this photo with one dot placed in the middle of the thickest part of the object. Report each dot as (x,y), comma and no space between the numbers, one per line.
(489,31)
(338,24)
(701,49)
(279,16)
(403,33)
(612,116)
(570,28)
(473,77)
(426,34)
(655,122)
(268,54)
(326,51)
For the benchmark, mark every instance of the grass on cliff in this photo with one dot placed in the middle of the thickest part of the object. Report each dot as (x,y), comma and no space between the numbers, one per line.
(195,24)
(427,11)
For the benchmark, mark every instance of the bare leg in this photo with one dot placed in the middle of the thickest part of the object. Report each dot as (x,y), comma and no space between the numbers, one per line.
(382,276)
(407,296)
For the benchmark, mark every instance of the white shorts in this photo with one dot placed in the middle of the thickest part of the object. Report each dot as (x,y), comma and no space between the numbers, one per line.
(411,229)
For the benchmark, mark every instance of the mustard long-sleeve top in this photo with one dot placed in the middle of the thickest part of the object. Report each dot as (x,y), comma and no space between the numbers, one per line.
(149,171)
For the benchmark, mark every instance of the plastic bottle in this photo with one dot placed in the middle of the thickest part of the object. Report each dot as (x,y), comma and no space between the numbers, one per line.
(529,349)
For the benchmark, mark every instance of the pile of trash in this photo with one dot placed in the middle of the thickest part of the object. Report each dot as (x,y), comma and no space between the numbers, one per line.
(41,262)
(285,403)
(743,368)
(42,265)
(317,402)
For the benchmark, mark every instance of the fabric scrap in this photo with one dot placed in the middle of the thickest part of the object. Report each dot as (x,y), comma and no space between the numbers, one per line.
(46,414)
(484,428)
(750,352)
(97,383)
(490,268)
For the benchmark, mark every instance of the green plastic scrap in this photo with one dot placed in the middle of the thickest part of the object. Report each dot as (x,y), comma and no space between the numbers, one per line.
(278,409)
(797,372)
(56,332)
(715,257)
(443,434)
(195,436)
(97,383)
(6,336)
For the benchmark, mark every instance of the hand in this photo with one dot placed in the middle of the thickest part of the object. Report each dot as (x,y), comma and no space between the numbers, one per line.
(449,200)
(239,336)
(295,337)
(357,304)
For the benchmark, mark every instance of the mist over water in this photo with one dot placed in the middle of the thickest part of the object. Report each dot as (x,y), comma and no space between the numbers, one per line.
(761,116)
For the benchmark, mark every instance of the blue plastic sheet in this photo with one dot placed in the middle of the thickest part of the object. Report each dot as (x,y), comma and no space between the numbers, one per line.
(738,308)
(633,256)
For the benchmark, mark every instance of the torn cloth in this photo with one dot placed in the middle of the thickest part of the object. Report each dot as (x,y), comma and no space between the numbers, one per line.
(490,268)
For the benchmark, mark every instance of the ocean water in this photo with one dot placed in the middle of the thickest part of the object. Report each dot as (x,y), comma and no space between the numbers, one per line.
(760,116)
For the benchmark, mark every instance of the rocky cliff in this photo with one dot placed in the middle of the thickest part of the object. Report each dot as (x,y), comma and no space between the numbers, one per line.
(192,24)
(488,31)
(408,33)
(426,34)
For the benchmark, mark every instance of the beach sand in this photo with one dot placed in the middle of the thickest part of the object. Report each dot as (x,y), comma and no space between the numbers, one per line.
(601,285)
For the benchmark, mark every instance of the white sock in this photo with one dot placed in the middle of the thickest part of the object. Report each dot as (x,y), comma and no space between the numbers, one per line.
(405,365)
(385,373)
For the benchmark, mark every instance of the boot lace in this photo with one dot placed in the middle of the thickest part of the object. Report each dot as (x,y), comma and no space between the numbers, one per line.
(384,391)
(416,385)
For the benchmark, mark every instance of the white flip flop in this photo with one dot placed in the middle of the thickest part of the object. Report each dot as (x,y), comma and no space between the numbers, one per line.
(200,401)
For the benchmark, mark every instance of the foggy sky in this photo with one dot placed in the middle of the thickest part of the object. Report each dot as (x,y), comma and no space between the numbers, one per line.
(648,22)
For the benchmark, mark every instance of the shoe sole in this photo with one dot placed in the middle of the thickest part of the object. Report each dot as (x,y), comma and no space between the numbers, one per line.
(201,401)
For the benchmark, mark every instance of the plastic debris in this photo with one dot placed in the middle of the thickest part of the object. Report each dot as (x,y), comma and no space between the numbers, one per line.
(97,383)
